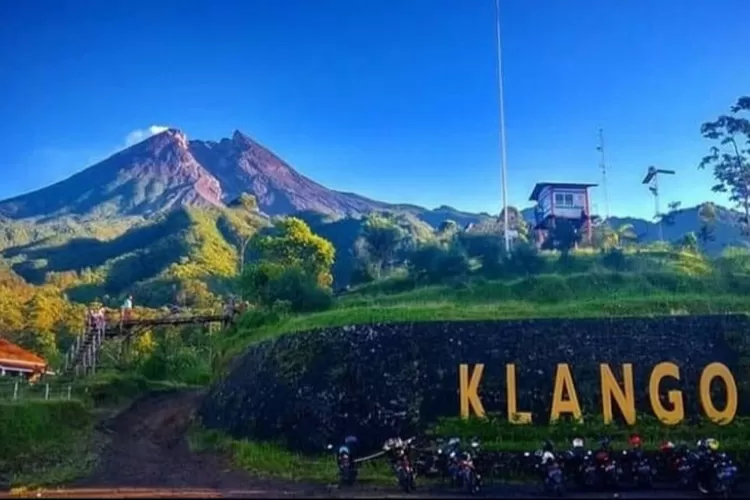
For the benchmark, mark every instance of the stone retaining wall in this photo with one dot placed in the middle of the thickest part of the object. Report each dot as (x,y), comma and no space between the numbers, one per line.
(379,380)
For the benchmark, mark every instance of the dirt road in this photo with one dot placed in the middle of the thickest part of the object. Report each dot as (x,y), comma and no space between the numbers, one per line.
(149,457)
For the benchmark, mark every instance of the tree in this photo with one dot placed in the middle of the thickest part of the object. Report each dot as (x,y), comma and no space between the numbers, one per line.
(730,157)
(614,238)
(689,242)
(245,207)
(516,223)
(668,217)
(295,245)
(707,217)
(447,229)
(382,238)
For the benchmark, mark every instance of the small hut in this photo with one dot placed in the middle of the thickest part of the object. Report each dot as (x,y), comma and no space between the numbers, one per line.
(16,361)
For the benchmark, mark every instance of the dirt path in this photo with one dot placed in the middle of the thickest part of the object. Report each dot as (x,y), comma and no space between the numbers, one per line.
(149,450)
(149,457)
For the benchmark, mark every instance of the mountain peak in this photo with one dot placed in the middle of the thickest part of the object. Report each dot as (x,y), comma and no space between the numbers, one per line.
(241,138)
(170,135)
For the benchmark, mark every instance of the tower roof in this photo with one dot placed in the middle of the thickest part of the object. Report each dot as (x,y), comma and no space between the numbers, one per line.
(564,185)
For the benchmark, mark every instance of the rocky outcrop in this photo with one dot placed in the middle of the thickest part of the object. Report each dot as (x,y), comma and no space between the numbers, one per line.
(377,380)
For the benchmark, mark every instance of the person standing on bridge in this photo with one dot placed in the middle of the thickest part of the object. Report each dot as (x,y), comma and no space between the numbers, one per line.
(101,318)
(127,307)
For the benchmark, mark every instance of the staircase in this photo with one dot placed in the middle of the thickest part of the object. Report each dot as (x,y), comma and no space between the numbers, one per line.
(82,356)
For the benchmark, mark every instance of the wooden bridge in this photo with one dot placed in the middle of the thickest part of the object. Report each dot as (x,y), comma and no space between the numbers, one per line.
(83,355)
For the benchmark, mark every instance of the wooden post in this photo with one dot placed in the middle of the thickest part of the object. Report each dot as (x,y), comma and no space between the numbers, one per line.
(15,391)
(46,392)
(93,353)
(69,392)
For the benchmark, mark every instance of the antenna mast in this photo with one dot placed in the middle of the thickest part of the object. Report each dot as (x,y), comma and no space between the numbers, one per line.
(603,166)
(652,178)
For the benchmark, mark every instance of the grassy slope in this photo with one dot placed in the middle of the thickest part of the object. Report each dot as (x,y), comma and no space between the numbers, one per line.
(575,295)
(546,296)
(46,442)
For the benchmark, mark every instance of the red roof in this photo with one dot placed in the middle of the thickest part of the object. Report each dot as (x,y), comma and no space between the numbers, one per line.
(11,354)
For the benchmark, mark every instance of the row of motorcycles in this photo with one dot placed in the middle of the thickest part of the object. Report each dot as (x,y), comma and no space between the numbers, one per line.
(451,460)
(703,468)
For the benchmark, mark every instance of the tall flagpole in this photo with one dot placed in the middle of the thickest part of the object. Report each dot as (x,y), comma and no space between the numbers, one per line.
(501,110)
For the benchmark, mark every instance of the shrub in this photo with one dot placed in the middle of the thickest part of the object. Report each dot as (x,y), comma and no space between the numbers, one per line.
(488,248)
(433,264)
(269,283)
(615,260)
(526,260)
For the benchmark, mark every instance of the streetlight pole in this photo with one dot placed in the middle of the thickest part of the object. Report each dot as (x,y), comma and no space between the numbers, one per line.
(501,111)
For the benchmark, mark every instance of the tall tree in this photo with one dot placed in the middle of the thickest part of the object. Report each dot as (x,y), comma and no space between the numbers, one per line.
(382,237)
(608,237)
(295,245)
(730,156)
(707,218)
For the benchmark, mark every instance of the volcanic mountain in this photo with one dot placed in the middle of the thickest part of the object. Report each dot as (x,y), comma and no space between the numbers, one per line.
(151,176)
(167,171)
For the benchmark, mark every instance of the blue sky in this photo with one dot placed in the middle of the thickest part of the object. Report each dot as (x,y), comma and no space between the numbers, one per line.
(393,99)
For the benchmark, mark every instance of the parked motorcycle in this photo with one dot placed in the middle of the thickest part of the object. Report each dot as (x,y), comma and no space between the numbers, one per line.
(345,461)
(681,464)
(716,474)
(579,465)
(397,451)
(467,476)
(447,459)
(550,469)
(637,464)
(608,471)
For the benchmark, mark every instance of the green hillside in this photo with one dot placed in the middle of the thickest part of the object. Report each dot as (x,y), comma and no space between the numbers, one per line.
(186,245)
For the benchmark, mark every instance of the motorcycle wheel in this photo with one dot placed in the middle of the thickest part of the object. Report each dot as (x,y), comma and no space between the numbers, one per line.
(559,490)
(350,477)
(471,483)
(589,479)
(406,481)
(702,488)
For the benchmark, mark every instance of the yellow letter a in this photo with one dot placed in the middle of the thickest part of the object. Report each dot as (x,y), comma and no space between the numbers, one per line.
(564,385)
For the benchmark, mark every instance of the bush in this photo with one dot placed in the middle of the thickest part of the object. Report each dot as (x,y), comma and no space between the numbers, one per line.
(269,284)
(614,259)
(362,273)
(488,248)
(32,425)
(174,360)
(433,264)
(525,260)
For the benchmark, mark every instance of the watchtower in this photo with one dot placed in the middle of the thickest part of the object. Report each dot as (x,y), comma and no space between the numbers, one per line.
(561,200)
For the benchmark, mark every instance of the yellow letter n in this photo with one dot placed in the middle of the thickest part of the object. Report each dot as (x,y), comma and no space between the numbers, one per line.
(611,391)
(468,387)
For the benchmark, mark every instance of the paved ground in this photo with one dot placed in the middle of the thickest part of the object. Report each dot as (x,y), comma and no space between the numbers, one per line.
(149,457)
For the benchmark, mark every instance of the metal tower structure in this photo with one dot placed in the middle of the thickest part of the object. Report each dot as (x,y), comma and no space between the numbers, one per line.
(501,112)
(603,166)
(652,179)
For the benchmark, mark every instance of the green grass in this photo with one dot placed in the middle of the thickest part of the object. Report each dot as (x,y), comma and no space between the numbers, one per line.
(500,435)
(46,442)
(545,296)
(271,460)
